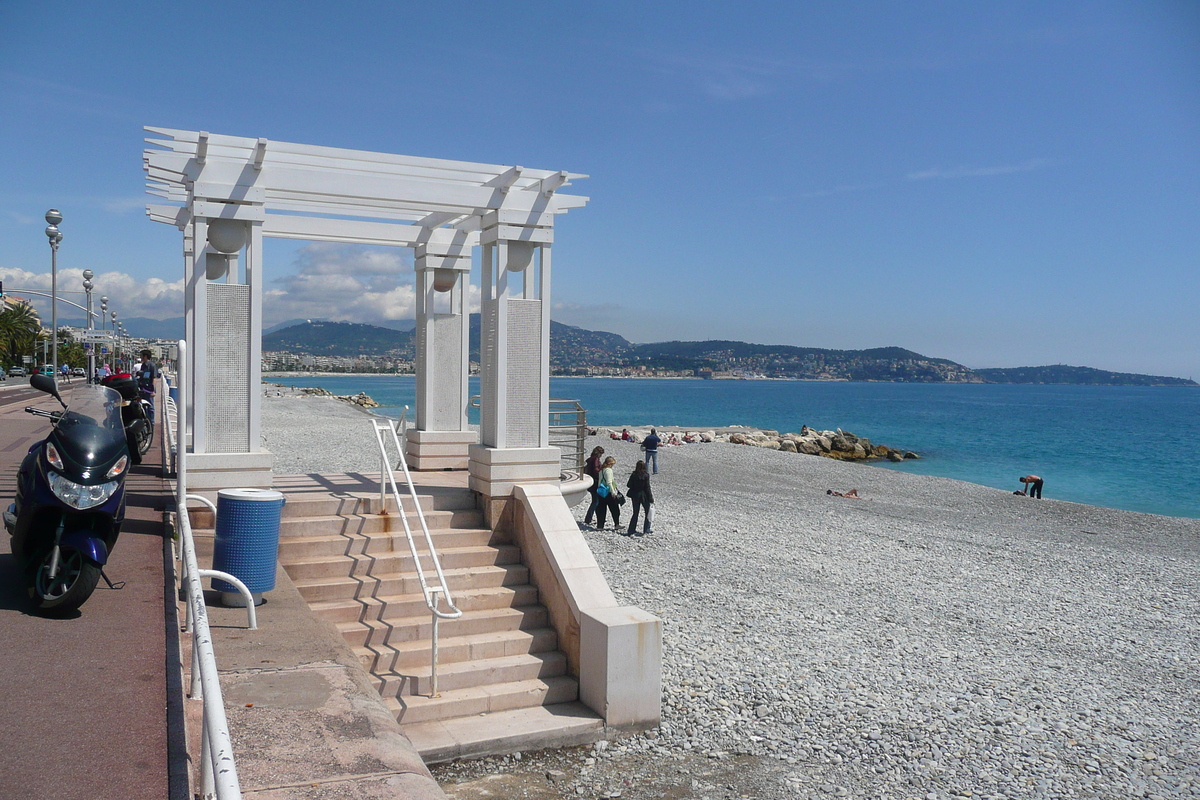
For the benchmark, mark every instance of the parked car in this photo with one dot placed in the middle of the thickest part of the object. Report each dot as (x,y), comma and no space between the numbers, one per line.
(17,372)
(79,371)
(47,370)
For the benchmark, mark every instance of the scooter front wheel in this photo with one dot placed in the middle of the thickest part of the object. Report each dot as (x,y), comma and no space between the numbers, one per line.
(70,587)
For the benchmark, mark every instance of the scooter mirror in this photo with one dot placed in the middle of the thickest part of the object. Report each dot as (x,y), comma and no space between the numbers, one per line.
(47,384)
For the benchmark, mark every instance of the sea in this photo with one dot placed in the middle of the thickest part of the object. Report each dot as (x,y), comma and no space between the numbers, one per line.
(1132,448)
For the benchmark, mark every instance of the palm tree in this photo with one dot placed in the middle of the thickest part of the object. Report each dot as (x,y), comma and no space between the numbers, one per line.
(20,329)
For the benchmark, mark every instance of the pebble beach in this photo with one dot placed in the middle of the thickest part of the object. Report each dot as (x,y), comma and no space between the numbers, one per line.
(934,639)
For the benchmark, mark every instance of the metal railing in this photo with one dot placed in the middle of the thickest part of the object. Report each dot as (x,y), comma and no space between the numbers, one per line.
(171,437)
(218,773)
(568,429)
(431,594)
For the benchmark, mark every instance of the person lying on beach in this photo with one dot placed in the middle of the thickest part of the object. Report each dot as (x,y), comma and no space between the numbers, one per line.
(852,494)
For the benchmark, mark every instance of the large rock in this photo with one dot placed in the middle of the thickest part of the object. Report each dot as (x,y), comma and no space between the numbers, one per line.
(840,444)
(788,446)
(809,447)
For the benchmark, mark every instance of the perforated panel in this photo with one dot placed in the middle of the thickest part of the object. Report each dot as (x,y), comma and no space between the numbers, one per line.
(446,408)
(227,393)
(488,431)
(524,389)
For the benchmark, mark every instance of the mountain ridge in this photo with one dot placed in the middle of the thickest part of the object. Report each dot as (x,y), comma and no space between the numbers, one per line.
(578,351)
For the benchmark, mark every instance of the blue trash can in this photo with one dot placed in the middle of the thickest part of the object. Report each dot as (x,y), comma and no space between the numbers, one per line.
(173,391)
(247,542)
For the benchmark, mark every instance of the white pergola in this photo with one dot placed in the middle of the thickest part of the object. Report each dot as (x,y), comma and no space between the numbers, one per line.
(228,192)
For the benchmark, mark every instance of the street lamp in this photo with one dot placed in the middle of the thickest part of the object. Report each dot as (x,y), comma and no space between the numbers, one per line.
(53,217)
(116,344)
(103,313)
(91,344)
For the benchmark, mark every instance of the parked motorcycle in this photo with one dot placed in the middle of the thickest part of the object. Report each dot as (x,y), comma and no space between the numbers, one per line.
(135,408)
(70,499)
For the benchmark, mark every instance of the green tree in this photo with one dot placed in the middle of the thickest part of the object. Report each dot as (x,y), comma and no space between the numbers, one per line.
(20,330)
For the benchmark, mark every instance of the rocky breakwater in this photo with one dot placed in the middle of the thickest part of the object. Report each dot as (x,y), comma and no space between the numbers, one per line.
(361,399)
(836,444)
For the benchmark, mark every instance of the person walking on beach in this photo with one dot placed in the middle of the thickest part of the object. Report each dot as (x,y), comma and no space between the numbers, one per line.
(592,468)
(650,445)
(640,497)
(1033,486)
(608,496)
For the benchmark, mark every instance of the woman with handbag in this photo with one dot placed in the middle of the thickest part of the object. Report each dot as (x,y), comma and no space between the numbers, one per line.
(610,498)
(640,496)
(592,468)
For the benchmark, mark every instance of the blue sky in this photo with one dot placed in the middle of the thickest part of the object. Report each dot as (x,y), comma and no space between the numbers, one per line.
(1001,184)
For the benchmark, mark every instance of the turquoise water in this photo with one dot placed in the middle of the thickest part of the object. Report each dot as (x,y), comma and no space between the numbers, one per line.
(1134,448)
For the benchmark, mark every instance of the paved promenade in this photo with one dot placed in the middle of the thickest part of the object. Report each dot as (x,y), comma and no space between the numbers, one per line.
(85,701)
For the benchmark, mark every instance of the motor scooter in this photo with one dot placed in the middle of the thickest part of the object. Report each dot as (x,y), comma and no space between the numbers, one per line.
(135,412)
(70,500)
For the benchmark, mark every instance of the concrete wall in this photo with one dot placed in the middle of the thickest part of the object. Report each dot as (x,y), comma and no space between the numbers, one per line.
(615,650)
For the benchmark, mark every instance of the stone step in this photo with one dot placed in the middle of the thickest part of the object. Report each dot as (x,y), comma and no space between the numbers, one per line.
(378,652)
(387,612)
(311,547)
(386,564)
(412,655)
(462,675)
(459,580)
(478,700)
(534,728)
(297,506)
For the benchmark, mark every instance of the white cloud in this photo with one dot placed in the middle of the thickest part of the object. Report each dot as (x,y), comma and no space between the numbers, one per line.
(347,283)
(977,172)
(128,296)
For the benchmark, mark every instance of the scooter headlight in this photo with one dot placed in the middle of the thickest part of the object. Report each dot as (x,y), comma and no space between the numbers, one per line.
(53,457)
(78,496)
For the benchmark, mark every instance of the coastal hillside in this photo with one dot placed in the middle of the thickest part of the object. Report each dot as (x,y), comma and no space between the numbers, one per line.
(578,351)
(1077,376)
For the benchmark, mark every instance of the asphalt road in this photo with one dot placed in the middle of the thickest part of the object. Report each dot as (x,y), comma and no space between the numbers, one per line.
(85,701)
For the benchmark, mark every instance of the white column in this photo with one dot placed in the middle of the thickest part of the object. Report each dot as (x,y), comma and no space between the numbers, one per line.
(441,436)
(514,359)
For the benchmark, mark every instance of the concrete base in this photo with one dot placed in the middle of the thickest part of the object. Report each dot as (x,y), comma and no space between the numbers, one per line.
(208,472)
(495,471)
(620,665)
(434,450)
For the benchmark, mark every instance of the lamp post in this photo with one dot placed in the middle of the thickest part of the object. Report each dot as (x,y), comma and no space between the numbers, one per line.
(116,343)
(53,217)
(103,314)
(91,344)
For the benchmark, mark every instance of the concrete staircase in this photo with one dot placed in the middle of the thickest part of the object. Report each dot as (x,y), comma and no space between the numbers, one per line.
(503,683)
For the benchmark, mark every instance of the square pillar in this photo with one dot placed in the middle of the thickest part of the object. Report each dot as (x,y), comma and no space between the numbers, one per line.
(226,331)
(441,436)
(514,354)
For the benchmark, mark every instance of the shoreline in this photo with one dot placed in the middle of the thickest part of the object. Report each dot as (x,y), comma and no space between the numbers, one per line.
(935,636)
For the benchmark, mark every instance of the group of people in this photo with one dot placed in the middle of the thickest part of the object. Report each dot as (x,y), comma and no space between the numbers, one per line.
(606,498)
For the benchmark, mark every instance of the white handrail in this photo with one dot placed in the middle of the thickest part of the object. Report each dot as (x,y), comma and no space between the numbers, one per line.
(218,773)
(442,589)
(170,437)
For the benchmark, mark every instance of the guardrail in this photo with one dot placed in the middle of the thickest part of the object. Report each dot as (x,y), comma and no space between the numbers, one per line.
(171,436)
(218,772)
(431,593)
(568,429)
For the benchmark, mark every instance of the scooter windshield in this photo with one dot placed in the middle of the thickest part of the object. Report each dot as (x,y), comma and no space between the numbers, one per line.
(92,405)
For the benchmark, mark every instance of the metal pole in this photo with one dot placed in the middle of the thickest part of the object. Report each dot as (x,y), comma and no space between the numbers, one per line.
(91,344)
(53,217)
